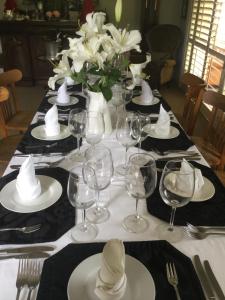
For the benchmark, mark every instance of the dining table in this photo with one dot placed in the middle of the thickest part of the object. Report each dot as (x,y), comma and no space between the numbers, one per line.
(59,216)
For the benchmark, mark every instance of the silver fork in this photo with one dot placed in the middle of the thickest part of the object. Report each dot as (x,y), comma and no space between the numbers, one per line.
(34,269)
(41,164)
(172,278)
(26,229)
(21,276)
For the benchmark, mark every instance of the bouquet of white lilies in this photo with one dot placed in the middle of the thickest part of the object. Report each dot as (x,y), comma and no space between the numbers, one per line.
(92,57)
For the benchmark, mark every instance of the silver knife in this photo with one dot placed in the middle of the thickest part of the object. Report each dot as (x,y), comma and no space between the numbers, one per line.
(26,249)
(39,254)
(40,154)
(187,157)
(213,280)
(203,278)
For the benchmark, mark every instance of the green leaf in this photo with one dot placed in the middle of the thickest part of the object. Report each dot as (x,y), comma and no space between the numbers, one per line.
(107,93)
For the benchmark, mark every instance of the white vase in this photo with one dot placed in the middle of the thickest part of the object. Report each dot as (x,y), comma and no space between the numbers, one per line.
(98,103)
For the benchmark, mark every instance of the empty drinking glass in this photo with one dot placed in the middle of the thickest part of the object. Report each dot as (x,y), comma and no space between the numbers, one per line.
(141,179)
(99,158)
(76,124)
(81,197)
(176,189)
(95,127)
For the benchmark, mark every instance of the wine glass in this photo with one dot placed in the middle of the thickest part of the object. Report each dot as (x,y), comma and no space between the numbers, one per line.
(117,95)
(176,189)
(99,158)
(76,124)
(127,95)
(141,179)
(124,135)
(81,197)
(138,126)
(95,127)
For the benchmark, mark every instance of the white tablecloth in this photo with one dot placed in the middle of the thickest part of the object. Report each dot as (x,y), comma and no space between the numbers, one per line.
(120,205)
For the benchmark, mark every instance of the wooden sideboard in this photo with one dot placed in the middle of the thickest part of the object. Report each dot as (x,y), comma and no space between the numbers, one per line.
(24,46)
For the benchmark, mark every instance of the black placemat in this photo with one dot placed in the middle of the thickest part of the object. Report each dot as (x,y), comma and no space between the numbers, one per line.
(29,144)
(205,213)
(45,105)
(55,220)
(181,142)
(154,255)
(148,109)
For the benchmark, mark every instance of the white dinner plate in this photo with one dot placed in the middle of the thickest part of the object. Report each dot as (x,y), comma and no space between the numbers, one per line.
(206,192)
(53,100)
(51,190)
(81,285)
(137,100)
(150,129)
(39,133)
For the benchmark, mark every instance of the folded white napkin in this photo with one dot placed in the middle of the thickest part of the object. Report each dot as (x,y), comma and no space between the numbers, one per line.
(199,180)
(52,126)
(27,184)
(111,279)
(69,80)
(62,95)
(136,70)
(162,126)
(146,96)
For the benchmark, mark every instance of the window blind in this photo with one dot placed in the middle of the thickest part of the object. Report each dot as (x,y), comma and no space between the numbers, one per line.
(205,52)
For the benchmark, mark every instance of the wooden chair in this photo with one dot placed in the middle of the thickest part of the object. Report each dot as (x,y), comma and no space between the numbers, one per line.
(11,117)
(8,144)
(193,95)
(212,145)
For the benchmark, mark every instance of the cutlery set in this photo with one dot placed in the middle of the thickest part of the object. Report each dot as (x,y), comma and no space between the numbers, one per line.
(29,274)
(208,280)
(201,232)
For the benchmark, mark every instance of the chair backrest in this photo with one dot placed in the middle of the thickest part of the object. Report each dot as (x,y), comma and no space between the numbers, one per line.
(8,79)
(215,133)
(194,87)
(164,38)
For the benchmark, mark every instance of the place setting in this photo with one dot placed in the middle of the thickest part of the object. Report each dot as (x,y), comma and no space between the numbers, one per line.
(146,102)
(118,270)
(29,197)
(203,207)
(50,135)
(163,134)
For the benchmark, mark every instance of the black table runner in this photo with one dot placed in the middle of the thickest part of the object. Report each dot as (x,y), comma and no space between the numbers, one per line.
(205,213)
(55,220)
(154,255)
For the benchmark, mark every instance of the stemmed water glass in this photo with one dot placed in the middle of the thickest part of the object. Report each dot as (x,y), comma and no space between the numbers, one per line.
(76,124)
(99,158)
(81,197)
(141,179)
(138,127)
(124,135)
(95,127)
(176,189)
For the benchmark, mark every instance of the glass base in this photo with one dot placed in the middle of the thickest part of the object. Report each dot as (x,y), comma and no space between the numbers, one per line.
(97,215)
(83,233)
(165,232)
(135,224)
(121,170)
(76,156)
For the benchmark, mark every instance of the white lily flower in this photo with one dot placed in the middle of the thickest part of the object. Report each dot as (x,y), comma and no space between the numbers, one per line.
(93,26)
(62,70)
(124,40)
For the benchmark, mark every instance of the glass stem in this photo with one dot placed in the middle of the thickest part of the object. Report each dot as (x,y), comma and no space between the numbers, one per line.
(172,216)
(78,143)
(139,145)
(126,157)
(84,219)
(98,209)
(137,215)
